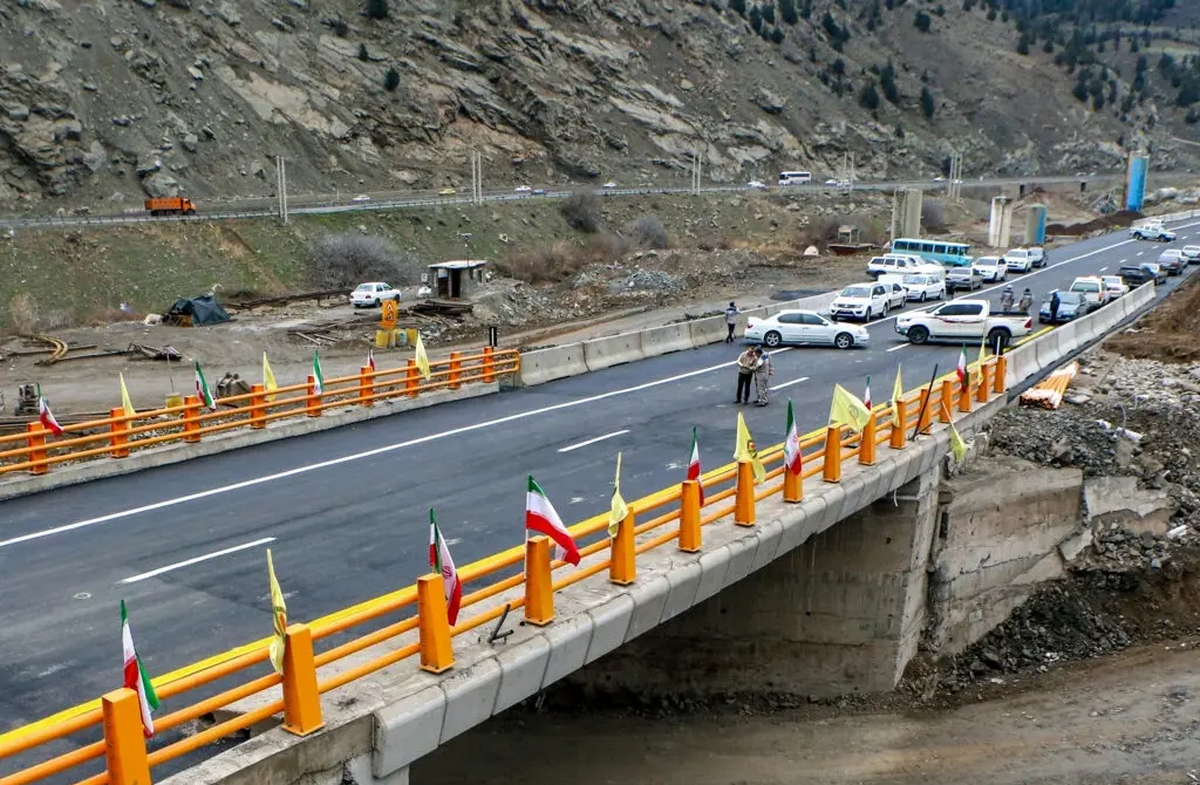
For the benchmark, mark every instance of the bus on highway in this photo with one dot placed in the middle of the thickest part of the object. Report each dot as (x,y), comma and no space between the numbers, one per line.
(795,178)
(940,251)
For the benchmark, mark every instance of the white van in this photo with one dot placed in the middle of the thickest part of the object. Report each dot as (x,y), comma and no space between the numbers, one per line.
(795,178)
(902,264)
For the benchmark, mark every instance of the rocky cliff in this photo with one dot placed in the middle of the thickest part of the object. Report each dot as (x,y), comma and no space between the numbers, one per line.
(102,101)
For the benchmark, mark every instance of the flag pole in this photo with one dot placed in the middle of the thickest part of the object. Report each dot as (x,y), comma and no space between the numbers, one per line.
(925,401)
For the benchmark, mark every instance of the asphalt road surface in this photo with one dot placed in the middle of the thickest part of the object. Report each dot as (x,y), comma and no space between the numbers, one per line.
(345,511)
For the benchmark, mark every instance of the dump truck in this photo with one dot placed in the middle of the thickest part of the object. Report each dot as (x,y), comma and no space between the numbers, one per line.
(171,205)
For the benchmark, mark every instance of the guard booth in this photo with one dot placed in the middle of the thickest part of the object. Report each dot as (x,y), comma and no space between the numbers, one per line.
(456,279)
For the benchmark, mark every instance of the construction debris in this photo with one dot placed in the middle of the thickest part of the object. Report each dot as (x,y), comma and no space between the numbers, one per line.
(442,308)
(168,353)
(338,295)
(1048,393)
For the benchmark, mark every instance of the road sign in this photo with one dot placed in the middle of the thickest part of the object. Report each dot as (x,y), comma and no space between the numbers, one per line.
(391,309)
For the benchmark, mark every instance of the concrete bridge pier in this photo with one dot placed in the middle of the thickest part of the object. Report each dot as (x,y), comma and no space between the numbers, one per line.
(841,613)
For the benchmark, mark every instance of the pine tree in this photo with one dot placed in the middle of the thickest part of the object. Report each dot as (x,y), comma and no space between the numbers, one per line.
(927,105)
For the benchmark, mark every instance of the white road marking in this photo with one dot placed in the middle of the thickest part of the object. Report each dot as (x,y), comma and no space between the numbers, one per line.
(577,445)
(1139,253)
(789,384)
(1123,261)
(189,562)
(898,347)
(1102,269)
(387,448)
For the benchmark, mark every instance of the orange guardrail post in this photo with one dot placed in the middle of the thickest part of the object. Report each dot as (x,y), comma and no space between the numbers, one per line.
(301,700)
(124,743)
(437,655)
(689,517)
(366,386)
(36,437)
(258,406)
(793,487)
(489,364)
(539,592)
(948,386)
(455,370)
(999,373)
(312,402)
(899,437)
(191,423)
(622,561)
(866,453)
(120,433)
(411,379)
(926,411)
(964,397)
(833,454)
(743,507)
(985,383)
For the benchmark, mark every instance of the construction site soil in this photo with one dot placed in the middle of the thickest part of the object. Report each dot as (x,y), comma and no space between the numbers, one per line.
(1170,333)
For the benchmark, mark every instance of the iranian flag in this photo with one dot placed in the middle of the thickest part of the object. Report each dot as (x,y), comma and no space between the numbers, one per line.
(791,445)
(867,394)
(136,678)
(963,378)
(318,377)
(371,359)
(440,561)
(541,517)
(46,417)
(693,469)
(202,391)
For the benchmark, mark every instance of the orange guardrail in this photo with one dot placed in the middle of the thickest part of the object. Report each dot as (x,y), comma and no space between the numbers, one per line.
(109,729)
(117,435)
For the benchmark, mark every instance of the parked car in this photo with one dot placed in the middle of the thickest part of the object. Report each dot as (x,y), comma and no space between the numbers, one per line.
(1172,261)
(1135,274)
(1116,287)
(805,328)
(921,287)
(447,192)
(757,185)
(963,321)
(609,184)
(1071,305)
(963,278)
(1156,270)
(1191,253)
(1092,288)
(862,301)
(539,191)
(1018,260)
(896,263)
(370,294)
(1152,231)
(990,268)
(361,198)
(522,189)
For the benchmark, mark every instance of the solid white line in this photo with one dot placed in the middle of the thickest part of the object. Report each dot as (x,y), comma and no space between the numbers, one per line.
(312,467)
(789,384)
(143,576)
(1102,269)
(593,441)
(1139,253)
(898,347)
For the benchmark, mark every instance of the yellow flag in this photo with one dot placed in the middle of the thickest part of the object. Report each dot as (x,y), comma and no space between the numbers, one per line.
(422,358)
(619,508)
(269,382)
(957,445)
(126,404)
(279,614)
(745,450)
(897,394)
(848,409)
(982,353)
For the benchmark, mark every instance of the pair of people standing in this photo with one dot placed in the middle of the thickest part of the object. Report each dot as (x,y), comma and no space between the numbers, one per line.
(754,364)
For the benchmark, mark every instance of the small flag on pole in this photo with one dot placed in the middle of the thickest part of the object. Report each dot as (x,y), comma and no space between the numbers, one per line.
(957,445)
(847,409)
(318,377)
(867,394)
(792,458)
(269,383)
(422,358)
(440,561)
(371,359)
(45,416)
(126,404)
(744,450)
(279,615)
(619,509)
(693,467)
(897,394)
(202,391)
(964,378)
(136,678)
(541,517)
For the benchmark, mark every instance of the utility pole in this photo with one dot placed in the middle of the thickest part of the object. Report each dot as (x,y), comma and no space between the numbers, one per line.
(697,173)
(476,177)
(954,186)
(281,187)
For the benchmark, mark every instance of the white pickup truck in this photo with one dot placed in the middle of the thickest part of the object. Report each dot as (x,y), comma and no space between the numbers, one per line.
(963,321)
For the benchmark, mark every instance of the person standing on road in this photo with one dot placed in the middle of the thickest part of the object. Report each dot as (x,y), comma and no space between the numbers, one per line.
(746,363)
(1054,303)
(1026,301)
(731,315)
(763,371)
(1006,299)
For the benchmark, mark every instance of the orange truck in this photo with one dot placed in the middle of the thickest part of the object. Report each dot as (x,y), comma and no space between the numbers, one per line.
(171,205)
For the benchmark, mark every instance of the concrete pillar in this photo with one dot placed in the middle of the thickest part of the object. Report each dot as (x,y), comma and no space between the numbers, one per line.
(1000,224)
(906,213)
(1035,224)
(842,613)
(1135,182)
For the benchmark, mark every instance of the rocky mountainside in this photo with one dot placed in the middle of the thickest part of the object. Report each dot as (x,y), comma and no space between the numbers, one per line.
(102,101)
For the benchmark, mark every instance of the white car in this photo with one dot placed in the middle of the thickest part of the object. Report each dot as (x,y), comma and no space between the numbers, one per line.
(372,294)
(1091,287)
(805,327)
(894,263)
(831,181)
(756,184)
(609,184)
(1191,253)
(1019,260)
(522,189)
(862,301)
(1152,231)
(1115,285)
(990,268)
(361,198)
(921,287)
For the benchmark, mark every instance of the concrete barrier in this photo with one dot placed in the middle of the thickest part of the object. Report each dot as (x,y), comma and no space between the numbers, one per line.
(664,340)
(1022,363)
(600,353)
(1068,338)
(1047,349)
(710,329)
(546,365)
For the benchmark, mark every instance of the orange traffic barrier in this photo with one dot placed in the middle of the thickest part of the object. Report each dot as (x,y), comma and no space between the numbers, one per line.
(191,419)
(489,365)
(898,427)
(985,383)
(312,405)
(539,596)
(366,385)
(36,440)
(258,406)
(689,516)
(964,396)
(622,562)
(455,370)
(124,743)
(948,388)
(866,450)
(120,431)
(301,701)
(998,375)
(743,514)
(832,463)
(437,654)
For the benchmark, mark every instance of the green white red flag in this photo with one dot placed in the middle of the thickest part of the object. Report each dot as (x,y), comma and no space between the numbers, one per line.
(136,678)
(202,391)
(441,562)
(541,517)
(791,445)
(963,379)
(693,468)
(318,377)
(46,417)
